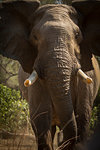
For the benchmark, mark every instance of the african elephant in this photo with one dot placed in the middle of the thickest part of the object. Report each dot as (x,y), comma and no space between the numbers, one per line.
(55,41)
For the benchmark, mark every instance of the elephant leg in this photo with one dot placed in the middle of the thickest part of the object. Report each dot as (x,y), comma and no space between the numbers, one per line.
(40,115)
(83,122)
(43,134)
(53,131)
(68,128)
(83,110)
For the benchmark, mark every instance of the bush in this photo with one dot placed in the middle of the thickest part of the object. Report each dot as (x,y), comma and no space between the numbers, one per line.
(95,117)
(13,110)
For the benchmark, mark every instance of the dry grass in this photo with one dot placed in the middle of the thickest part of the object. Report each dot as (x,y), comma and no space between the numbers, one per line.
(20,142)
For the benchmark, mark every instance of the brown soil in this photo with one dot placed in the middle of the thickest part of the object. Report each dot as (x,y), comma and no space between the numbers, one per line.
(19,142)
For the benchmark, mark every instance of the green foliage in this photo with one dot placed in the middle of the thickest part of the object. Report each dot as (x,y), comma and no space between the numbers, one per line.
(94,117)
(95,112)
(68,2)
(47,1)
(13,110)
(9,72)
(55,1)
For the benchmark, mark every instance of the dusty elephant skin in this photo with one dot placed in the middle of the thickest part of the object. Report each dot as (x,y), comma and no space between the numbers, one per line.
(55,41)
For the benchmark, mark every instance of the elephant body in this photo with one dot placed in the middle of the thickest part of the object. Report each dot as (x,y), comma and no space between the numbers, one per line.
(83,96)
(55,41)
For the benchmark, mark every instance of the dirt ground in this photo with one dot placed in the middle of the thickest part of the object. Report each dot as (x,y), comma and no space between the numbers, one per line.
(20,142)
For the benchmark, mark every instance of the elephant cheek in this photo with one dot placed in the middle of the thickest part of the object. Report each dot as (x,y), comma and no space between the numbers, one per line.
(27,68)
(27,62)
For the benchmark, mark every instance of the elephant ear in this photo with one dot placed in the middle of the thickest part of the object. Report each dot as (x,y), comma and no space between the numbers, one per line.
(15,26)
(89,22)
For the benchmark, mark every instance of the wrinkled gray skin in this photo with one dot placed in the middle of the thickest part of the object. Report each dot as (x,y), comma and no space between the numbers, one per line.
(51,41)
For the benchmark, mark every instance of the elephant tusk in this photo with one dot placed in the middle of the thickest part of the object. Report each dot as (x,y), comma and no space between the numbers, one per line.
(32,78)
(86,78)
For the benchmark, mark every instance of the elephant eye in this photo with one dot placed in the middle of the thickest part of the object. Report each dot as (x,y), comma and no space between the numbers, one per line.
(35,38)
(77,35)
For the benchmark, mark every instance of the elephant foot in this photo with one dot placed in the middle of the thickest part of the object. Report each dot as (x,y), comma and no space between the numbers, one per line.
(44,147)
(45,142)
(67,145)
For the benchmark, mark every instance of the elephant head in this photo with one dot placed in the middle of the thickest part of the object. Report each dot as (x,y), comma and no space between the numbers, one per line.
(21,29)
(53,40)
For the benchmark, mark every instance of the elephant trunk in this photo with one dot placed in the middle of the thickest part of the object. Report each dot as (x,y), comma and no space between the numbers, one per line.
(58,79)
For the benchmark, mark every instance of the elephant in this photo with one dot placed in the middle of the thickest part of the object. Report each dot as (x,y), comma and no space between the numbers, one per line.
(55,40)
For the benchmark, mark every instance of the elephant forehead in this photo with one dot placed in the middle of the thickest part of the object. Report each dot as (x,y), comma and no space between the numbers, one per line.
(54,20)
(55,17)
(55,12)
